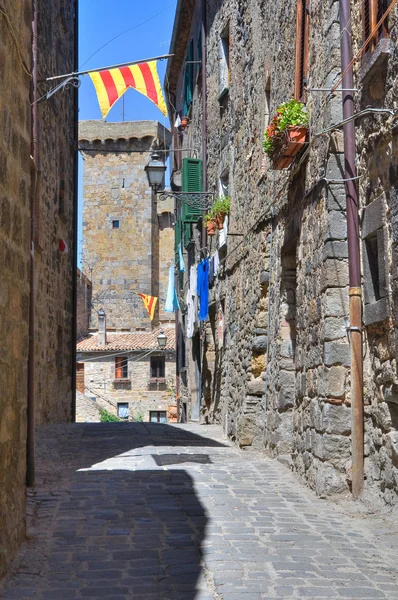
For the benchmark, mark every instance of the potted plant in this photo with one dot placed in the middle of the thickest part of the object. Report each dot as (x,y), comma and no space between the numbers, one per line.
(184,122)
(286,134)
(220,210)
(211,224)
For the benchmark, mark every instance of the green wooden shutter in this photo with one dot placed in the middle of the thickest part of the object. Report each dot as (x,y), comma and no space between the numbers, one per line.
(191,182)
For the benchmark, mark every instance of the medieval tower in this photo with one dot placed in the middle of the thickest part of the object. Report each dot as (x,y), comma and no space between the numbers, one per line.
(128,238)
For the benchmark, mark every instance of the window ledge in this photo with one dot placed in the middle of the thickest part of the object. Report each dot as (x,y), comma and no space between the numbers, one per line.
(376,311)
(122,380)
(157,380)
(375,61)
(224,93)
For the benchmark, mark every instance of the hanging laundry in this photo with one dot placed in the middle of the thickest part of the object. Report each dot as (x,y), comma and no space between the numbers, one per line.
(181,259)
(222,238)
(203,289)
(171,292)
(176,304)
(177,122)
(216,263)
(193,280)
(191,313)
(211,271)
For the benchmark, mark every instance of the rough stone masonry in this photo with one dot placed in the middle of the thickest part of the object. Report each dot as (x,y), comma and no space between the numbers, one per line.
(279,375)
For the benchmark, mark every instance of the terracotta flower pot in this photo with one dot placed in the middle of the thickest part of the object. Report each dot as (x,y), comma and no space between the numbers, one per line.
(220,218)
(184,122)
(211,227)
(288,146)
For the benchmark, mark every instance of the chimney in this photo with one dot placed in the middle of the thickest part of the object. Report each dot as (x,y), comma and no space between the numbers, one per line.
(101,327)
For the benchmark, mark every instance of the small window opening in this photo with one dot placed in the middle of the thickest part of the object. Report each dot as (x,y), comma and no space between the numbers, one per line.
(157,367)
(121,367)
(116,224)
(372,12)
(302,37)
(123,410)
(224,72)
(373,259)
(224,183)
(267,108)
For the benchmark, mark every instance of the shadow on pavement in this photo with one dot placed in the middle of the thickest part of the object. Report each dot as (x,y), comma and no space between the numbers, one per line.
(123,526)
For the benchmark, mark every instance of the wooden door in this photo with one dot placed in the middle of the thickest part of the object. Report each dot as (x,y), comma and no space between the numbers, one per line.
(80,377)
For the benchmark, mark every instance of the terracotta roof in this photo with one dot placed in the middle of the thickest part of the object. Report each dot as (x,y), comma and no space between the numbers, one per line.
(127,341)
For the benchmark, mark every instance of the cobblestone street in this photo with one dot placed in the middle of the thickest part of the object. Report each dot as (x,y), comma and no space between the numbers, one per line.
(155,512)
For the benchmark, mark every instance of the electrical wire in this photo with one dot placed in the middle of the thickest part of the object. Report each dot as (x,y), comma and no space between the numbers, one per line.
(126,31)
(14,39)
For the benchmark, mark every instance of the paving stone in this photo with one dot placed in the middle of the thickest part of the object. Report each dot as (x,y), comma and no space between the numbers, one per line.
(121,526)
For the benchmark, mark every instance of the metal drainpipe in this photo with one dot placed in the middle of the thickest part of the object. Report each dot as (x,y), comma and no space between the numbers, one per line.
(204,107)
(355,293)
(30,436)
(75,220)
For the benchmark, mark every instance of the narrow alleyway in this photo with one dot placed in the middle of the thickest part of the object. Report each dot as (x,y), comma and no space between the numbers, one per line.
(156,512)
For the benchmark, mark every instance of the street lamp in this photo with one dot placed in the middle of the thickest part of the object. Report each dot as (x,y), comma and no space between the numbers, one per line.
(155,171)
(162,339)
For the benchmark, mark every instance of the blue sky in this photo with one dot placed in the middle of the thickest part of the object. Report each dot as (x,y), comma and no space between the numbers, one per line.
(99,22)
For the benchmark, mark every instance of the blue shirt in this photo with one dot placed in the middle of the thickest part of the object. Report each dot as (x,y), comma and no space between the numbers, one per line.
(203,289)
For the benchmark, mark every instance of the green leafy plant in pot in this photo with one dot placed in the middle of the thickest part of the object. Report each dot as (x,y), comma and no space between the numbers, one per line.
(286,133)
(220,209)
(211,224)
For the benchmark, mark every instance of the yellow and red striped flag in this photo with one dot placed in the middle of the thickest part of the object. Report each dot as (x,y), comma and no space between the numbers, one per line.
(150,304)
(110,85)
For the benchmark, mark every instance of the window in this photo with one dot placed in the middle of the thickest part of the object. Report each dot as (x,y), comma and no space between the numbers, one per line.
(224,183)
(191,182)
(115,224)
(372,12)
(373,261)
(123,410)
(188,79)
(157,416)
(157,367)
(267,108)
(302,31)
(375,243)
(224,78)
(121,367)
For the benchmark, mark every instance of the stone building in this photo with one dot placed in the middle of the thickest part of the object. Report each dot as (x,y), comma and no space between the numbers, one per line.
(84,293)
(128,241)
(128,248)
(37,208)
(273,361)
(128,375)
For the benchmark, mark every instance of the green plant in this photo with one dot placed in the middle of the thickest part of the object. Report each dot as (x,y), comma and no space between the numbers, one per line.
(138,416)
(209,217)
(107,417)
(289,114)
(292,114)
(221,206)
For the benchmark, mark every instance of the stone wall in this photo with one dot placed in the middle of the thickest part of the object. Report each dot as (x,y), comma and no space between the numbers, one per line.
(84,298)
(14,265)
(280,379)
(126,259)
(53,299)
(56,203)
(99,381)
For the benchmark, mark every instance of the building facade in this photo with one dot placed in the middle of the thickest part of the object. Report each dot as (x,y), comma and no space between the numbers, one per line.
(37,191)
(128,249)
(129,376)
(127,238)
(274,359)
